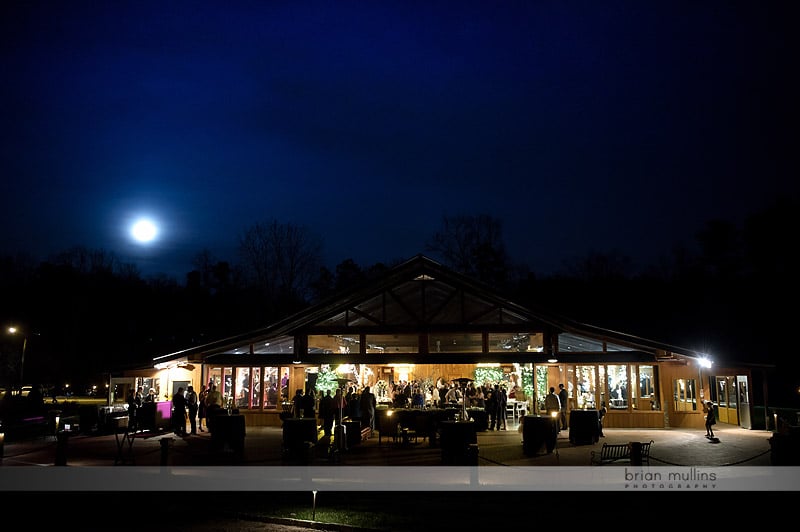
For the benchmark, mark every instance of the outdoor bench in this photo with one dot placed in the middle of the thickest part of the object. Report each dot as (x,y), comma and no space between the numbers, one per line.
(612,452)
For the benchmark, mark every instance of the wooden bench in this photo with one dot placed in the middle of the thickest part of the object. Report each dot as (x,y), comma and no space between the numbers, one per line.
(613,452)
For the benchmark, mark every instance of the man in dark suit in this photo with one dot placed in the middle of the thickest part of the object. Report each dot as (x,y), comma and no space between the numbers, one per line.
(562,397)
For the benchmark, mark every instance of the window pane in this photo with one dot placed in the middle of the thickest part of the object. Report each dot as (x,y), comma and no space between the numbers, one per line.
(684,395)
(618,386)
(452,343)
(271,388)
(243,387)
(392,343)
(516,342)
(585,376)
(256,393)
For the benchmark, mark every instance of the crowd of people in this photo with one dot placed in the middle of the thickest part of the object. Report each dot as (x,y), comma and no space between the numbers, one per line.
(331,407)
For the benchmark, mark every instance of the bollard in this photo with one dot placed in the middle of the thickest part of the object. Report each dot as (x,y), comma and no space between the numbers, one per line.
(636,453)
(61,448)
(165,442)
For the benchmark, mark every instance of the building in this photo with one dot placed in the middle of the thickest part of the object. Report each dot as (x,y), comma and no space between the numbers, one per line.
(425,324)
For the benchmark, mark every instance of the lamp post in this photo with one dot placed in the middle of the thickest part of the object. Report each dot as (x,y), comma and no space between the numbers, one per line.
(15,330)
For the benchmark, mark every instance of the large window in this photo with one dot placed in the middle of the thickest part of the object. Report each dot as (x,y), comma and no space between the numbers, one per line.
(587,387)
(516,342)
(684,395)
(271,387)
(392,343)
(644,393)
(617,386)
(456,343)
(243,387)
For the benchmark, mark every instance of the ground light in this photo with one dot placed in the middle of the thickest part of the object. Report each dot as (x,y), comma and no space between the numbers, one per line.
(314,507)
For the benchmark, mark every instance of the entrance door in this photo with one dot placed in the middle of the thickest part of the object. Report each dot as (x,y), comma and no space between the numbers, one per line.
(744,402)
(727,400)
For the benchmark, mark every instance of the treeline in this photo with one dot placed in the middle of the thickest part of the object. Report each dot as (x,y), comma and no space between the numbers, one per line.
(85,313)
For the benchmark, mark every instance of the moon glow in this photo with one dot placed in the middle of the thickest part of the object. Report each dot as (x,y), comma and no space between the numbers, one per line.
(144,231)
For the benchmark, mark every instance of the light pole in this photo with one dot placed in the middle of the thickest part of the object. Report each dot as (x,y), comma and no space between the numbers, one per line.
(15,330)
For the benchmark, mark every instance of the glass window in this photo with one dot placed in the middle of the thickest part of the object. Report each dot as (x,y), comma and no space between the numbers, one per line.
(326,343)
(568,342)
(255,394)
(541,386)
(243,387)
(722,391)
(271,387)
(587,388)
(602,388)
(617,386)
(392,343)
(684,395)
(284,386)
(515,342)
(456,343)
(227,386)
(644,394)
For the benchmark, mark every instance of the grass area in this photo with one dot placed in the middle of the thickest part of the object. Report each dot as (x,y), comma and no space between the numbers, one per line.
(354,517)
(354,509)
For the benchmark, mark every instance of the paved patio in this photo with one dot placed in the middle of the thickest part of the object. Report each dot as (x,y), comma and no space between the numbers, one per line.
(262,447)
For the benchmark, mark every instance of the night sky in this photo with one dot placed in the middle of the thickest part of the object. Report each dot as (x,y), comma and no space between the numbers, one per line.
(583,126)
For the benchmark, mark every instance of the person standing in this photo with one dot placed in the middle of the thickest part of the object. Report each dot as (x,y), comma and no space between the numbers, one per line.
(309,404)
(562,398)
(179,412)
(213,406)
(368,405)
(500,406)
(710,420)
(602,414)
(201,406)
(191,404)
(339,405)
(132,410)
(552,405)
(297,403)
(491,407)
(327,413)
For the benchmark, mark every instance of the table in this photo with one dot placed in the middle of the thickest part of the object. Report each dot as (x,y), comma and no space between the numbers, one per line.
(124,438)
(584,427)
(459,442)
(297,430)
(538,432)
(228,429)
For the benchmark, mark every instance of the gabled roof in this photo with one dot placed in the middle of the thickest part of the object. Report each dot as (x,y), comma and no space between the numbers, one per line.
(421,295)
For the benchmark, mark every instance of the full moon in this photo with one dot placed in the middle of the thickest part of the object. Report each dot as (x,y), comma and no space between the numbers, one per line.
(144,230)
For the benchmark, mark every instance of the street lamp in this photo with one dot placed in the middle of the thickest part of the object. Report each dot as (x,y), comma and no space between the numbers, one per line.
(14,330)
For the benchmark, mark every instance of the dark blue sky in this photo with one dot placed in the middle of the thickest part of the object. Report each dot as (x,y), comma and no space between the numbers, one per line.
(584,126)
